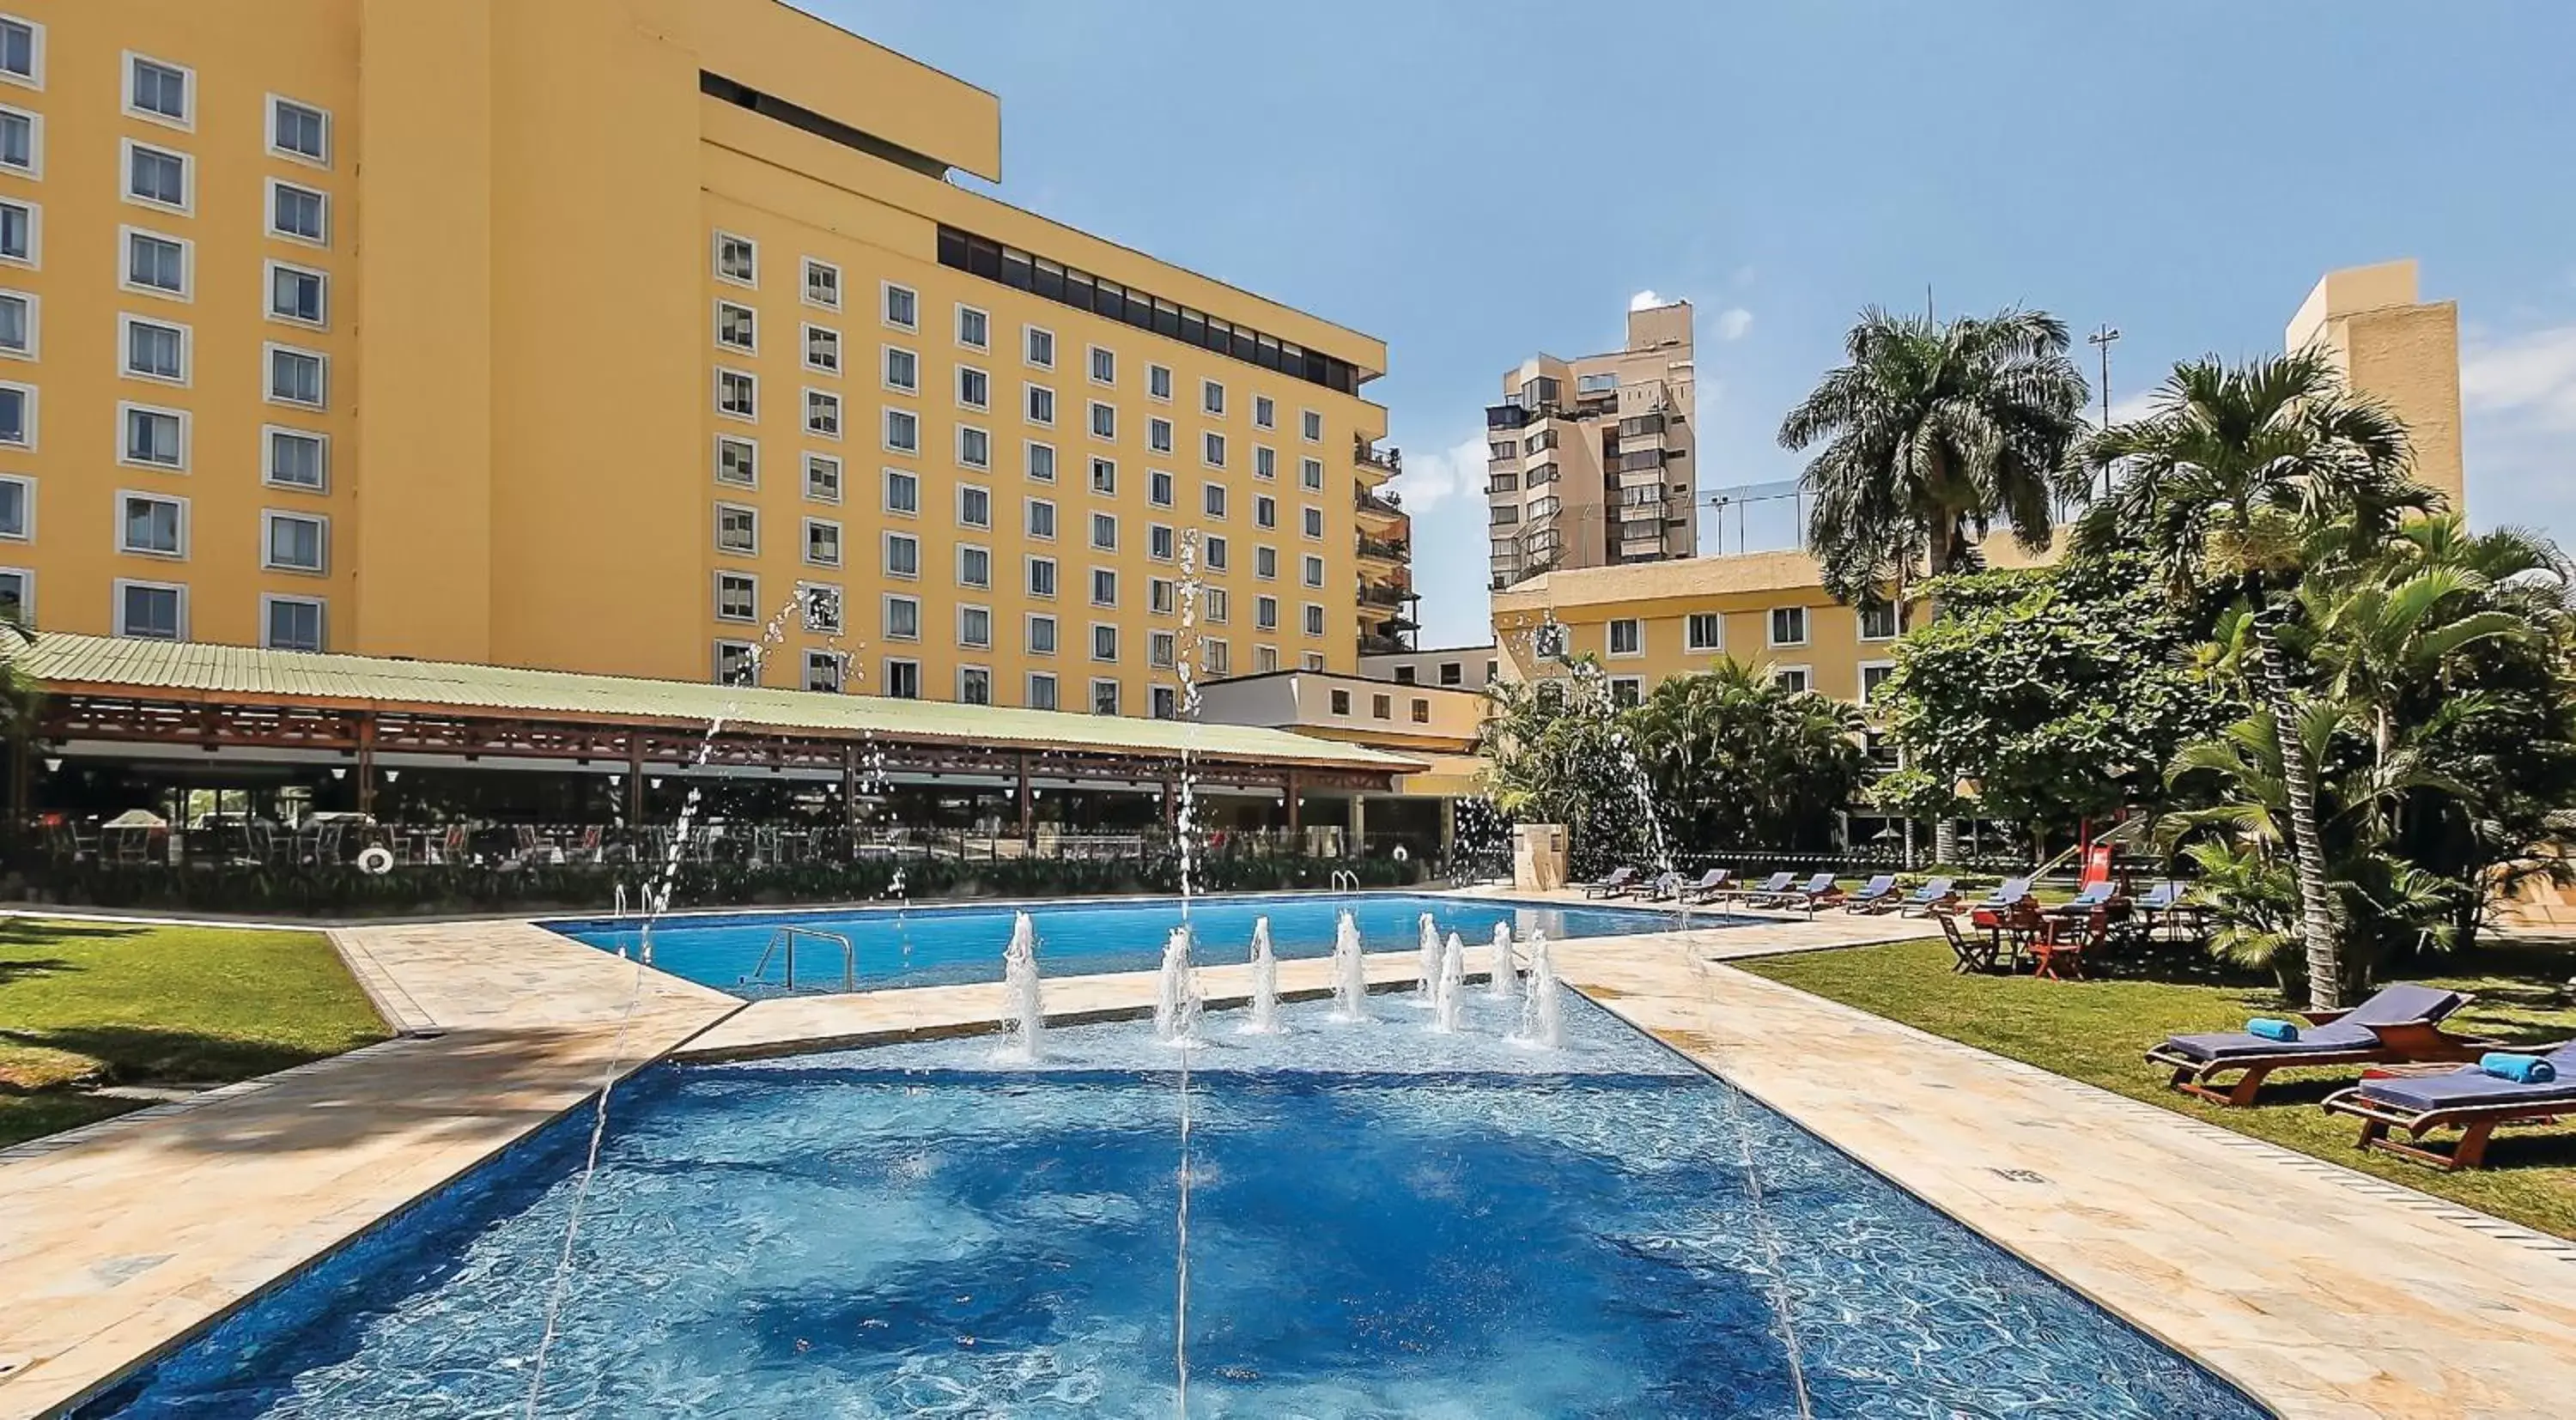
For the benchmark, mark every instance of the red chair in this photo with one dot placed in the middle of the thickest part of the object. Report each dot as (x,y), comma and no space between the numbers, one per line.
(2065,940)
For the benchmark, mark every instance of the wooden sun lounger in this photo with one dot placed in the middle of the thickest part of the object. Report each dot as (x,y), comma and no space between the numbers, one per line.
(2475,1116)
(2397,1043)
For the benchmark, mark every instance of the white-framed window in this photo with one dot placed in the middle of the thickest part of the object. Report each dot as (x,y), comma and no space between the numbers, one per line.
(1104,586)
(1265,613)
(156,264)
(1873,676)
(1310,474)
(299,131)
(18,595)
(151,437)
(1627,691)
(1311,521)
(822,284)
(298,377)
(901,306)
(1161,649)
(1039,634)
(299,295)
(1037,346)
(902,678)
(1104,642)
(974,506)
(1104,531)
(294,542)
(1265,563)
(22,142)
(738,529)
(1212,449)
(1212,499)
(1312,660)
(974,566)
(1879,621)
(1158,488)
(902,370)
(822,542)
(737,327)
(1104,366)
(291,623)
(902,618)
(21,232)
(974,388)
(737,461)
(737,259)
(975,627)
(295,458)
(903,431)
(1314,619)
(974,328)
(902,493)
(1265,659)
(1042,691)
(823,671)
(1160,596)
(298,214)
(737,394)
(151,611)
(22,52)
(1265,412)
(1104,420)
(1038,515)
(1158,435)
(819,604)
(1217,658)
(1212,606)
(1104,476)
(737,597)
(1627,636)
(1040,461)
(822,414)
(1793,678)
(1788,626)
(158,91)
(1037,403)
(974,685)
(1160,542)
(17,416)
(152,350)
(1042,577)
(737,663)
(151,524)
(822,349)
(159,177)
(1104,697)
(902,556)
(1212,553)
(1312,570)
(1158,383)
(822,478)
(17,508)
(1265,512)
(974,447)
(1211,397)
(1704,631)
(1265,461)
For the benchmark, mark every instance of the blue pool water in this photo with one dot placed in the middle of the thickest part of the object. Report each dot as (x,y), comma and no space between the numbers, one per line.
(1383,1222)
(939,945)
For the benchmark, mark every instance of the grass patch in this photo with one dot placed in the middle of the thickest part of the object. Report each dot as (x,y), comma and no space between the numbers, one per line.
(2096,1031)
(94,1003)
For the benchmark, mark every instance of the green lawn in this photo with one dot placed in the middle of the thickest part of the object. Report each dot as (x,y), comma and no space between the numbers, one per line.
(2095,1031)
(94,1003)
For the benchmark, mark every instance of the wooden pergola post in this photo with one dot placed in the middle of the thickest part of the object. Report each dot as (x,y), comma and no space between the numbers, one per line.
(850,786)
(366,764)
(1028,815)
(1294,827)
(635,778)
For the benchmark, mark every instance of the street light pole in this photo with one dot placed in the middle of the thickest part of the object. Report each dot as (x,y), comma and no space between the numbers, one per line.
(2101,339)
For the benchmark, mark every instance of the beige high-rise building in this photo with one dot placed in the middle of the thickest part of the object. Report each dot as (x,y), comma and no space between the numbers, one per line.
(2400,350)
(1590,462)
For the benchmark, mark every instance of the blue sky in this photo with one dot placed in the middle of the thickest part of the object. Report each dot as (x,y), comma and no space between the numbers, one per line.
(1473,182)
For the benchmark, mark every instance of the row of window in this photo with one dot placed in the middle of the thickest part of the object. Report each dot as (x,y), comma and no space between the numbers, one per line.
(1787,626)
(1450,673)
(164,92)
(1629,690)
(739,662)
(158,611)
(158,525)
(154,437)
(162,264)
(738,532)
(738,592)
(1381,706)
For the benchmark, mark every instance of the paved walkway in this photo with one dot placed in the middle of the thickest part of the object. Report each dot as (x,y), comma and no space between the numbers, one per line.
(2327,1295)
(129,1237)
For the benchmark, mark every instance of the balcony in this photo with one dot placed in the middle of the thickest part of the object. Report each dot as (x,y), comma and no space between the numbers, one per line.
(1382,549)
(1379,643)
(1382,594)
(1387,461)
(1385,509)
(1506,416)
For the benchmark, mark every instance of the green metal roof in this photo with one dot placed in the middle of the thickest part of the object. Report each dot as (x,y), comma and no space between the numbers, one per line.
(66,663)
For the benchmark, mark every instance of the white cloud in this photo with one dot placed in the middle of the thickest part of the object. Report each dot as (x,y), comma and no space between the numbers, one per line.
(1429,480)
(2528,377)
(1645,300)
(2519,401)
(1444,492)
(1733,322)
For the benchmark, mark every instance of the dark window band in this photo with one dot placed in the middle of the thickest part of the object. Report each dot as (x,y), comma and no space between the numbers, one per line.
(832,130)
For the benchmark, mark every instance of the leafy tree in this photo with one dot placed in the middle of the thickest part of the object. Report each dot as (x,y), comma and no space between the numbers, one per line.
(2228,479)
(2060,692)
(1736,758)
(1557,751)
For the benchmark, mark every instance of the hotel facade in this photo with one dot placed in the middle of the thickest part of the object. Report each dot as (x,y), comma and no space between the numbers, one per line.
(638,337)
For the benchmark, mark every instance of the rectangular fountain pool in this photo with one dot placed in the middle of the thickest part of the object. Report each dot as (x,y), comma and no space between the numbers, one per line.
(937,946)
(1383,1221)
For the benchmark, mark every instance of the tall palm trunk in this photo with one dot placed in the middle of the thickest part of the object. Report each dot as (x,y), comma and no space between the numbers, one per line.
(2317,926)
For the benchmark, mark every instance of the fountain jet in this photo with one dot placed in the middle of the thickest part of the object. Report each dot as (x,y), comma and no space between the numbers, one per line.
(1350,973)
(1506,982)
(1178,1003)
(1426,984)
(1542,1016)
(1449,999)
(1025,1018)
(1265,982)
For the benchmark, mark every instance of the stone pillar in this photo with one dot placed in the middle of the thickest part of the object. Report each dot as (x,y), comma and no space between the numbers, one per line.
(1358,845)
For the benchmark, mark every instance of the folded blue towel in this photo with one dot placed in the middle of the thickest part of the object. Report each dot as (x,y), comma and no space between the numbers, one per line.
(2271,1029)
(2521,1069)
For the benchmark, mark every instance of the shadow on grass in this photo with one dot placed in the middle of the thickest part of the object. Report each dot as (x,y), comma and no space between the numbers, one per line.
(13,969)
(149,1055)
(20,931)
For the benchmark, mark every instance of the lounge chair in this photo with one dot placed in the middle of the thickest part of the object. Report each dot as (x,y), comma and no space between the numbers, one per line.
(1817,891)
(1936,895)
(1876,895)
(2011,892)
(1710,884)
(2084,902)
(2398,1023)
(1619,882)
(2467,1099)
(1767,889)
(1667,887)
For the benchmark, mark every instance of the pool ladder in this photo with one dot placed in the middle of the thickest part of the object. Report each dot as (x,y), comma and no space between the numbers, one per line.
(783,941)
(1343,876)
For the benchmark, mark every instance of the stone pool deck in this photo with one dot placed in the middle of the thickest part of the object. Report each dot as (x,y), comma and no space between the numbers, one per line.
(2323,1292)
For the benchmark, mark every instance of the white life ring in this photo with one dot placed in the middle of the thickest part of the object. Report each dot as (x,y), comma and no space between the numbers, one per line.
(376,860)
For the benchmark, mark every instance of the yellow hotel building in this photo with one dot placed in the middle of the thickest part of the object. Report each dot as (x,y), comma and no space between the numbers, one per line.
(624,336)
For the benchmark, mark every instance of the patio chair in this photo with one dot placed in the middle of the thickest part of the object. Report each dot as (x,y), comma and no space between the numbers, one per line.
(1618,882)
(2467,1099)
(1974,955)
(1667,887)
(1876,895)
(2011,892)
(1768,888)
(1817,891)
(2399,1023)
(1711,884)
(2093,895)
(2065,939)
(1936,896)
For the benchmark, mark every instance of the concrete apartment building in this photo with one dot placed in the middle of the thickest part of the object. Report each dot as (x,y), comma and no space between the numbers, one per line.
(1590,462)
(1646,623)
(625,336)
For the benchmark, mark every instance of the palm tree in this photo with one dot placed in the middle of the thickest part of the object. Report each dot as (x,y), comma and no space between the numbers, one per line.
(2230,476)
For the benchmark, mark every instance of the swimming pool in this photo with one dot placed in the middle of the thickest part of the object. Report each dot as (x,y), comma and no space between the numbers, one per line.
(930,946)
(1383,1221)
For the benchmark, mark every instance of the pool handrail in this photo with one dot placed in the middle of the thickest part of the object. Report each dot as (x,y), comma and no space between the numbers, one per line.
(786,935)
